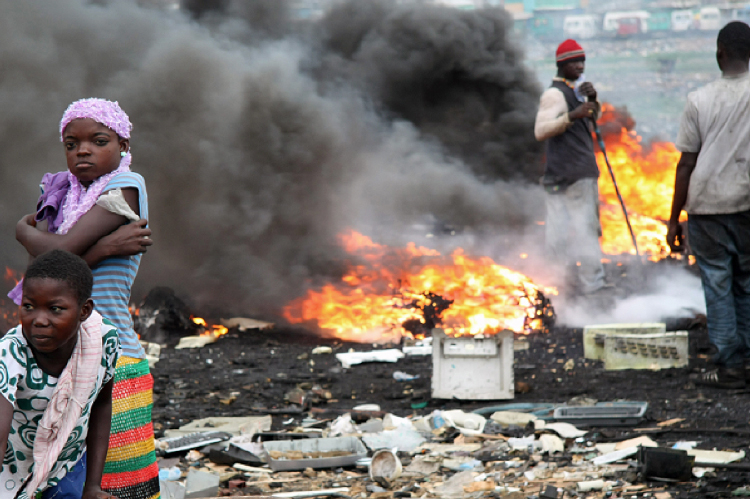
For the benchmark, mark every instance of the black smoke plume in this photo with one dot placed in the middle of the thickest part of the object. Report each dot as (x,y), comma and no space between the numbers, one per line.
(262,137)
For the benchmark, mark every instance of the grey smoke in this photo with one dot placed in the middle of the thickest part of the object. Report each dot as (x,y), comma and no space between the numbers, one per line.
(261,141)
(669,292)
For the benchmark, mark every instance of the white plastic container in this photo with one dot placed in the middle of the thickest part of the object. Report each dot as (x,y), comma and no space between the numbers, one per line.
(593,336)
(647,351)
(471,368)
(385,463)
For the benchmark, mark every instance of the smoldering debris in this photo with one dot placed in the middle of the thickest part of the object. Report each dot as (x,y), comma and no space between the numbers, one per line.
(259,147)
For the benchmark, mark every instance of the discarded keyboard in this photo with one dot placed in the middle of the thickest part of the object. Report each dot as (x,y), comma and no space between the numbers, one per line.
(190,441)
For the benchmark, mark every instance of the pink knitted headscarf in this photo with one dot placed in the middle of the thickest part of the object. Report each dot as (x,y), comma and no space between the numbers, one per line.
(80,199)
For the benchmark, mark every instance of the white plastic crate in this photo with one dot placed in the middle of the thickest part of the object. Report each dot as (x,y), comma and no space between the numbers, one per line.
(645,351)
(471,368)
(593,336)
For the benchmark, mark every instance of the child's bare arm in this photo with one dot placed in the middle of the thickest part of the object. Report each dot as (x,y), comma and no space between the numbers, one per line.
(130,239)
(6,418)
(91,227)
(97,442)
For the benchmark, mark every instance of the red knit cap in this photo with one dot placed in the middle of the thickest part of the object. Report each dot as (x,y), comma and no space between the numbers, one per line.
(569,50)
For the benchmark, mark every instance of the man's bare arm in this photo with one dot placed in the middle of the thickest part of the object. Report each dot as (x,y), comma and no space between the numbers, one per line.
(685,168)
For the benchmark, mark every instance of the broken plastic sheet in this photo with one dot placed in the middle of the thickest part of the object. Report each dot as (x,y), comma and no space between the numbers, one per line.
(551,444)
(507,418)
(522,443)
(234,425)
(244,324)
(466,423)
(349,359)
(565,430)
(343,425)
(195,341)
(614,456)
(454,486)
(403,439)
(715,456)
(420,348)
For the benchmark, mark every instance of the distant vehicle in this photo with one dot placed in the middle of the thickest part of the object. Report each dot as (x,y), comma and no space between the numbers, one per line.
(461,4)
(660,22)
(611,23)
(682,20)
(631,26)
(709,19)
(582,26)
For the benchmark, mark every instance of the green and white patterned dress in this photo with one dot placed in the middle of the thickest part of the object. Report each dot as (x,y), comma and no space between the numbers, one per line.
(29,389)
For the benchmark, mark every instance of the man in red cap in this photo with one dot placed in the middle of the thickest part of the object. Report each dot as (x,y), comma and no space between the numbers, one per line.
(571,173)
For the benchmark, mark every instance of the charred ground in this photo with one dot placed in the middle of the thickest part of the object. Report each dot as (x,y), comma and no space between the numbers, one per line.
(262,372)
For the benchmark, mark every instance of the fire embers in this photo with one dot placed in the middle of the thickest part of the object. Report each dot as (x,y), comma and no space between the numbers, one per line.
(544,314)
(388,293)
(8,309)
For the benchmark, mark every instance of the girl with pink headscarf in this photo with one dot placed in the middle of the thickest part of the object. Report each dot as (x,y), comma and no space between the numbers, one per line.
(98,209)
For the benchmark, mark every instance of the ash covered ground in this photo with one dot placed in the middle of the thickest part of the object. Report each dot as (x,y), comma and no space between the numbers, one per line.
(259,372)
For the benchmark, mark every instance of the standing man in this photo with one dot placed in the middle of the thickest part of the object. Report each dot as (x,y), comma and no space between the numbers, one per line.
(713,185)
(571,173)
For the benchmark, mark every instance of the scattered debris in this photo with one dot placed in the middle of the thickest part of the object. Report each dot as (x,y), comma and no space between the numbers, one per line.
(350,359)
(201,484)
(402,376)
(314,453)
(195,341)
(385,464)
(514,450)
(153,351)
(244,324)
(162,314)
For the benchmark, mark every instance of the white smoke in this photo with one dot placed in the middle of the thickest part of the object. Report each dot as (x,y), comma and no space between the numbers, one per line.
(671,292)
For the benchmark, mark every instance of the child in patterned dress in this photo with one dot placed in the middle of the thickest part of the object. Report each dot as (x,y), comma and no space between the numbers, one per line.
(56,377)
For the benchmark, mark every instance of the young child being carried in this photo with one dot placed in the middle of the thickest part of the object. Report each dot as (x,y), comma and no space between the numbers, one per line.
(87,210)
(56,372)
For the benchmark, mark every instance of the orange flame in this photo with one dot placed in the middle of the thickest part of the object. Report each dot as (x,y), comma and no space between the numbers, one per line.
(379,294)
(12,276)
(8,309)
(645,177)
(213,330)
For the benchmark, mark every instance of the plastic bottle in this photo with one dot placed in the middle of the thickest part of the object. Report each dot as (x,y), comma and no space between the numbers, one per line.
(581,79)
(437,419)
(402,376)
(170,474)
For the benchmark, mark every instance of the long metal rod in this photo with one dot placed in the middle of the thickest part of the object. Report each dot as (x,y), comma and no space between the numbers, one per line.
(600,140)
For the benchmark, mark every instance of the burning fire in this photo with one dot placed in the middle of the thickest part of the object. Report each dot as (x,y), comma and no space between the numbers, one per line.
(9,309)
(646,180)
(213,330)
(395,292)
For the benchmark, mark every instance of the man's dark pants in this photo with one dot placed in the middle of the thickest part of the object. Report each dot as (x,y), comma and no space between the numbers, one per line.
(721,244)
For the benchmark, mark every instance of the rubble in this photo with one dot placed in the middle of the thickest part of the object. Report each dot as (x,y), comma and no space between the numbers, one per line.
(449,463)
(463,453)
